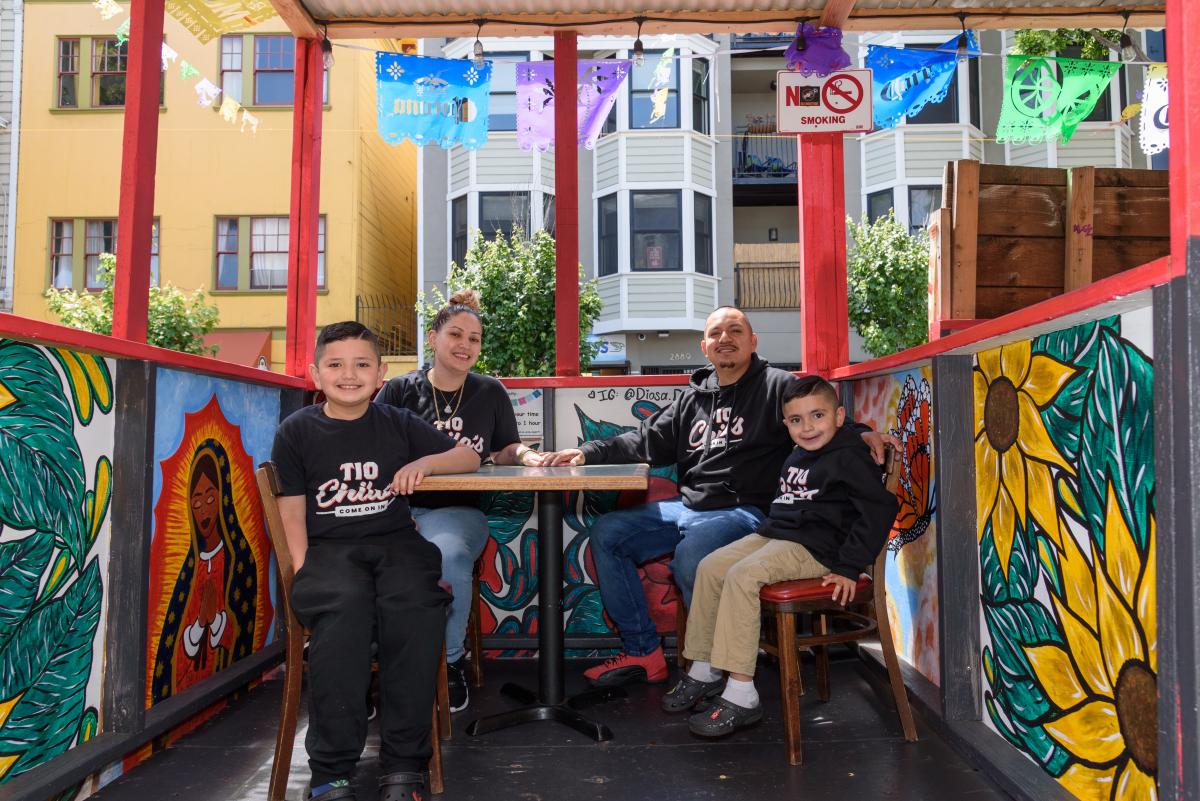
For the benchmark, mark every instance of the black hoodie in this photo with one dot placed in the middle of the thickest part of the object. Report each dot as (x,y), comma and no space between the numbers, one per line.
(728,442)
(833,502)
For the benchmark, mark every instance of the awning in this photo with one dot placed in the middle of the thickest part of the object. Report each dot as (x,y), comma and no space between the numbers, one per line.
(251,348)
(395,18)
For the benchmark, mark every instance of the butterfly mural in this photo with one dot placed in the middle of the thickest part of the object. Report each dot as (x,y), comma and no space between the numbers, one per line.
(915,490)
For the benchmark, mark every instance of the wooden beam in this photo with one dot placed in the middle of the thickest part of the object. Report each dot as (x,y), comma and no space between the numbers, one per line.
(836,13)
(1080,227)
(297,18)
(965,236)
(566,202)
(619,24)
(824,331)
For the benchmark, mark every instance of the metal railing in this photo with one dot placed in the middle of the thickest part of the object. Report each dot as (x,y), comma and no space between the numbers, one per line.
(753,41)
(760,156)
(767,285)
(393,319)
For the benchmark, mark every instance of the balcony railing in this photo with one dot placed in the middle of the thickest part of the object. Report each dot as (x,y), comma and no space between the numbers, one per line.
(393,320)
(754,41)
(767,285)
(764,156)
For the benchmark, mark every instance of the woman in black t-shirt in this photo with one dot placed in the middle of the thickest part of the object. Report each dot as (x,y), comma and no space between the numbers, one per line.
(476,411)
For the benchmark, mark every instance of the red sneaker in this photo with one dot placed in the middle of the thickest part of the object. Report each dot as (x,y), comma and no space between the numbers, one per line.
(625,669)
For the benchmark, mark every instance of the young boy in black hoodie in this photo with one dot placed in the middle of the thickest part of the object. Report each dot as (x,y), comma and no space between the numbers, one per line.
(829,520)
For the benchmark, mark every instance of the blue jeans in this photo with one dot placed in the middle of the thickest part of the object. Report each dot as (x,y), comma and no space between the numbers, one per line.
(460,533)
(624,539)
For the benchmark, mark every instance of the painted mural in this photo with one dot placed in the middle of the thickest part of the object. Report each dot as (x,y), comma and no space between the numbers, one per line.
(900,404)
(1065,492)
(508,583)
(211,578)
(56,445)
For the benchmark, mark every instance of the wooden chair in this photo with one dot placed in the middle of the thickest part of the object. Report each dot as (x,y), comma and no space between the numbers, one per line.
(785,600)
(268,489)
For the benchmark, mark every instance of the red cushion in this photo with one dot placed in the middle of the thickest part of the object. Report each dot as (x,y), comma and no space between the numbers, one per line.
(805,590)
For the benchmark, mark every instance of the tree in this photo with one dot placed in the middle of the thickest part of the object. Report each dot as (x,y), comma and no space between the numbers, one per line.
(888,285)
(515,279)
(174,319)
(1044,43)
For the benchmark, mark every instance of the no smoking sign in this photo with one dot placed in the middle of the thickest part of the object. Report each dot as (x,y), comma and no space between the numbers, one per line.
(838,103)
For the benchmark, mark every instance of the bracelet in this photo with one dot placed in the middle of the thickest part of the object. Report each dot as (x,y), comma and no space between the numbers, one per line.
(521,451)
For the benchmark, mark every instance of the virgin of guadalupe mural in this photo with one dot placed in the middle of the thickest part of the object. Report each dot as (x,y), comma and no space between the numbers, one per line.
(209,599)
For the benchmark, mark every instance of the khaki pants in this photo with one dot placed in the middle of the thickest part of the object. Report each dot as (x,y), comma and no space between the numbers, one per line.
(723,622)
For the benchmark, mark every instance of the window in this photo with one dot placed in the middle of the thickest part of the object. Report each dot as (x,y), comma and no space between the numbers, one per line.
(62,250)
(700,95)
(68,73)
(548,212)
(504,212)
(154,253)
(641,98)
(108,72)
(606,217)
(944,111)
(975,98)
(227,253)
(879,204)
(231,67)
(274,70)
(655,224)
(502,107)
(458,230)
(922,200)
(101,238)
(704,233)
(1103,110)
(266,260)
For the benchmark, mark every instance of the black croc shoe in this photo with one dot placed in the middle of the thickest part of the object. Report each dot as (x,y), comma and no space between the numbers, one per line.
(403,786)
(723,717)
(338,791)
(684,695)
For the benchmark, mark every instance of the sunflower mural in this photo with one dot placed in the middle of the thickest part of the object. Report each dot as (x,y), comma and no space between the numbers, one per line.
(210,560)
(56,444)
(1065,496)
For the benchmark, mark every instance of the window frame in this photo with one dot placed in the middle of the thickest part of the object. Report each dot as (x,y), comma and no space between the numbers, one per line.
(240,70)
(634,230)
(701,102)
(78,255)
(654,56)
(255,69)
(244,252)
(700,199)
(98,74)
(613,238)
(219,251)
(56,253)
(88,254)
(528,222)
(460,235)
(890,192)
(935,190)
(77,57)
(507,57)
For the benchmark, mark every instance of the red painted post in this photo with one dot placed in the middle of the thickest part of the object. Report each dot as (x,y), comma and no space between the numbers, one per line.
(1183,55)
(139,152)
(304,216)
(566,199)
(824,335)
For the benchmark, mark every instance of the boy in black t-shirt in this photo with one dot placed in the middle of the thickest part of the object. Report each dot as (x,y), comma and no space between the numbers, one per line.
(345,469)
(829,520)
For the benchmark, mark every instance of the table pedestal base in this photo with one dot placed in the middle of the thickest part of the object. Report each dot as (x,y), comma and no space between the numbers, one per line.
(565,713)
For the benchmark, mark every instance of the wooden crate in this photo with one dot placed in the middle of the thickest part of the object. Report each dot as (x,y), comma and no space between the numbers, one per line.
(1008,237)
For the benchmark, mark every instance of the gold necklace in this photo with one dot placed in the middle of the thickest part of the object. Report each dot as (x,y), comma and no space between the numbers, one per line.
(450,412)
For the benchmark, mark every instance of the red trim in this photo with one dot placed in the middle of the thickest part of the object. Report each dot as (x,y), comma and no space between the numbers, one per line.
(1117,286)
(566,201)
(139,152)
(304,219)
(52,335)
(566,382)
(1183,52)
(824,331)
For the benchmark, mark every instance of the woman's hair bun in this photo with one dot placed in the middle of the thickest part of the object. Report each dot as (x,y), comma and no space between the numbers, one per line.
(465,297)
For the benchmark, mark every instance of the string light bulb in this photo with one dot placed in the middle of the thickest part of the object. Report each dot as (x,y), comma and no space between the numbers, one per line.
(960,50)
(639,49)
(477,53)
(327,50)
(801,42)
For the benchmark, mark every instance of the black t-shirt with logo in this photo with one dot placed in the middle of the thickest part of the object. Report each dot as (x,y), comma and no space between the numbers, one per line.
(343,468)
(479,416)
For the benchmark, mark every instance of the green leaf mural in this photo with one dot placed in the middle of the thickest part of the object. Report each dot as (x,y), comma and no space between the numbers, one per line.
(41,470)
(47,662)
(22,563)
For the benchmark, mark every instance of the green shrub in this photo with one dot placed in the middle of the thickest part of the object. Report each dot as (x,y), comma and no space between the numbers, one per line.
(887,281)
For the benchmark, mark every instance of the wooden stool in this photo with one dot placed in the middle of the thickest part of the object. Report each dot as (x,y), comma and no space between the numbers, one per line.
(268,489)
(475,642)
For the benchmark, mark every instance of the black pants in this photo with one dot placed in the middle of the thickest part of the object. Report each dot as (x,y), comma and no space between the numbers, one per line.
(345,592)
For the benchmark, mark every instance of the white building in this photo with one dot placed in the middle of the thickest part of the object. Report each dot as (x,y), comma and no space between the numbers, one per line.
(698,209)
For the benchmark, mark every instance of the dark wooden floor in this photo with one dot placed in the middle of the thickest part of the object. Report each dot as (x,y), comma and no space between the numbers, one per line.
(853,750)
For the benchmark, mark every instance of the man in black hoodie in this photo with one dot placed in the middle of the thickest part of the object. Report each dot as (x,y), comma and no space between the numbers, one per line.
(725,435)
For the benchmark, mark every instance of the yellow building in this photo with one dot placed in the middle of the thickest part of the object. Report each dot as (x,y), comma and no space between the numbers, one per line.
(223,189)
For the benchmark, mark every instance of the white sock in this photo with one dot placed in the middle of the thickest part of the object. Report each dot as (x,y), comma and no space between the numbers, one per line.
(703,671)
(741,693)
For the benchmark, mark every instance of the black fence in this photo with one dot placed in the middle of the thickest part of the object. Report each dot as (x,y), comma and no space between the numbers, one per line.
(764,157)
(393,319)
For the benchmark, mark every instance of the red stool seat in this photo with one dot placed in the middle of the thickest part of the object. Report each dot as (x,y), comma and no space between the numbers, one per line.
(782,592)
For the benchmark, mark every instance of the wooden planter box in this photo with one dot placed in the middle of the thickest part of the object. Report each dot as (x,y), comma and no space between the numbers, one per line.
(1008,237)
